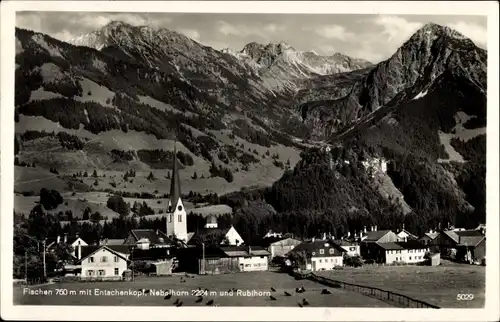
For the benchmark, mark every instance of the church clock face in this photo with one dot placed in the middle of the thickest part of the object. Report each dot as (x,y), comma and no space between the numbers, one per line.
(179,208)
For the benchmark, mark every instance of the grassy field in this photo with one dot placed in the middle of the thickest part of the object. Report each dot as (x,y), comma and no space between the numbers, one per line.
(251,281)
(438,285)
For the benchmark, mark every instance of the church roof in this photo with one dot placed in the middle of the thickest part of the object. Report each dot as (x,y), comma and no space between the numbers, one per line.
(175,182)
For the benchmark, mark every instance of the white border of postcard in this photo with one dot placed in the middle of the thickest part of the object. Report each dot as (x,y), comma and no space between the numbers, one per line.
(9,311)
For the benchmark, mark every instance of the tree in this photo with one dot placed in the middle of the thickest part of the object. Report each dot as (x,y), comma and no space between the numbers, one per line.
(86,213)
(151,177)
(195,176)
(94,174)
(117,204)
(50,199)
(95,217)
(96,183)
(85,174)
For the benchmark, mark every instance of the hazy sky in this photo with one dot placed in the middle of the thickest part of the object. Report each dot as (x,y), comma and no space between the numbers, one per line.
(372,37)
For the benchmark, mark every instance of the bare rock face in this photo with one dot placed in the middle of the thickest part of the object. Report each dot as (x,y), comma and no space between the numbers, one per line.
(429,53)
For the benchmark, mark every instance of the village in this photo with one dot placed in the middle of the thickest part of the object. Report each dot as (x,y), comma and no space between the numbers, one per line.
(219,251)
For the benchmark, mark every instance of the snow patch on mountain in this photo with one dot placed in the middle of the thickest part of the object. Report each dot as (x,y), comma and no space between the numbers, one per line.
(420,95)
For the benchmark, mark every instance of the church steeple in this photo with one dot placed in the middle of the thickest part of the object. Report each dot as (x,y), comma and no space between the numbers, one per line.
(175,183)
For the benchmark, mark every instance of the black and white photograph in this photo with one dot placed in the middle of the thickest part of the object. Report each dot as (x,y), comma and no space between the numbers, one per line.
(165,158)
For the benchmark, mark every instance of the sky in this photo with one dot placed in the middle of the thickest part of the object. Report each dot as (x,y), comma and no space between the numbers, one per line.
(371,37)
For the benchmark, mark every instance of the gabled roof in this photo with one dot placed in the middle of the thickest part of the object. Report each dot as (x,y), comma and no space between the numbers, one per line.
(451,234)
(154,236)
(123,249)
(374,236)
(315,246)
(432,236)
(469,237)
(244,251)
(112,241)
(410,235)
(412,244)
(346,243)
(88,251)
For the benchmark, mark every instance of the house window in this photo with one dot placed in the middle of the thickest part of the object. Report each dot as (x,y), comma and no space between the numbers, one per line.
(90,272)
(352,249)
(247,265)
(104,259)
(180,218)
(261,256)
(320,260)
(410,257)
(91,259)
(116,259)
(331,250)
(102,272)
(322,251)
(117,272)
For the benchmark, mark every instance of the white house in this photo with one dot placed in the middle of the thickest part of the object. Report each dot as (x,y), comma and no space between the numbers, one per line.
(352,248)
(250,258)
(75,241)
(230,235)
(281,247)
(410,252)
(102,262)
(405,235)
(319,255)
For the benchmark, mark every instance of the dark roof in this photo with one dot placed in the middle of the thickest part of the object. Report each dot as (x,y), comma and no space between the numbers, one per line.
(346,243)
(175,182)
(452,235)
(112,241)
(373,236)
(463,233)
(154,236)
(211,219)
(151,254)
(124,249)
(207,231)
(238,251)
(89,250)
(411,244)
(315,246)
(433,235)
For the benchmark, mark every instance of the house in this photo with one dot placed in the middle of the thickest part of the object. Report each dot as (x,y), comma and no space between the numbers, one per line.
(212,234)
(102,262)
(405,235)
(370,239)
(215,259)
(352,248)
(107,241)
(156,238)
(75,241)
(471,246)
(250,258)
(432,240)
(409,252)
(279,247)
(318,255)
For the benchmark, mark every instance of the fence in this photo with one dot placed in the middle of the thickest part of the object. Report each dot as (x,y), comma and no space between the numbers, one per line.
(396,298)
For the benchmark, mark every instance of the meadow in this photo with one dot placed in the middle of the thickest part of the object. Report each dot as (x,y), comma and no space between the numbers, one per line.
(438,285)
(248,281)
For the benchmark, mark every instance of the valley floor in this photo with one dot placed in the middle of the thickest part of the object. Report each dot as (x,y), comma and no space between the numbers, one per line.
(438,285)
(247,281)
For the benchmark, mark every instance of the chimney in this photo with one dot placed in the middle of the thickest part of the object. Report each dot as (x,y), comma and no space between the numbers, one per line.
(58,239)
(403,226)
(313,239)
(79,255)
(77,235)
(365,229)
(371,228)
(324,236)
(375,227)
(249,250)
(348,234)
(65,238)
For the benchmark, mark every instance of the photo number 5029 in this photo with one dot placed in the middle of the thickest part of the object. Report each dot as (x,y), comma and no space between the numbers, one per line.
(465,297)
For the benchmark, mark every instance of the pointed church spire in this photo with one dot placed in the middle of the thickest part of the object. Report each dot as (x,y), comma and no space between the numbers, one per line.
(175,182)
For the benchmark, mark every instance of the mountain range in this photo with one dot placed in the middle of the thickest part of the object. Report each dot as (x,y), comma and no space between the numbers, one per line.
(119,97)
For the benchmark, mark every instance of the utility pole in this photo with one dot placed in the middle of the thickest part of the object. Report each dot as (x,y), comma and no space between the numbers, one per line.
(26,266)
(44,264)
(203,256)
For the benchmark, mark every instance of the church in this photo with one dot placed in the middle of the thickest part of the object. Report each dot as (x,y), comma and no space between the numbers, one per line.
(176,213)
